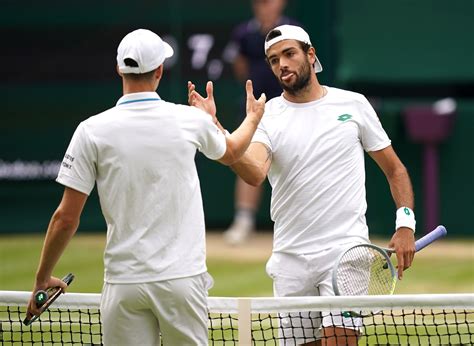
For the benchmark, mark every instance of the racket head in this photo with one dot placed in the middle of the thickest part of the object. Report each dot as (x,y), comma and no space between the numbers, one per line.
(364,269)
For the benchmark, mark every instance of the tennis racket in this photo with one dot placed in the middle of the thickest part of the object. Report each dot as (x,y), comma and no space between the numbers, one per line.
(44,299)
(366,269)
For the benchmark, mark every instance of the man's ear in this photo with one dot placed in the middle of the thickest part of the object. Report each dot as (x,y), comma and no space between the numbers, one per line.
(159,72)
(312,55)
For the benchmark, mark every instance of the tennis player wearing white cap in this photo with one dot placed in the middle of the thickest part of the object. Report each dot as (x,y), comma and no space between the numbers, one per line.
(310,144)
(141,155)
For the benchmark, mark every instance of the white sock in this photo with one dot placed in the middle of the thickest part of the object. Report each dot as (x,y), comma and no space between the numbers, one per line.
(245,215)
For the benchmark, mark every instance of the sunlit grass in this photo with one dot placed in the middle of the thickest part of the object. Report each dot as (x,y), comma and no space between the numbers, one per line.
(434,271)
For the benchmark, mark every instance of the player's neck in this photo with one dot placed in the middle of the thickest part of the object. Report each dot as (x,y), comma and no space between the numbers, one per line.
(131,88)
(313,92)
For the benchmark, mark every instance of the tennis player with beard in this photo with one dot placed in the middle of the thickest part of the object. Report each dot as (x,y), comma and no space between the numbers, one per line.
(310,144)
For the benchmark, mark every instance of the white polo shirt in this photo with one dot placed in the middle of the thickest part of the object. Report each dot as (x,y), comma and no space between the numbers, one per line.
(141,154)
(317,172)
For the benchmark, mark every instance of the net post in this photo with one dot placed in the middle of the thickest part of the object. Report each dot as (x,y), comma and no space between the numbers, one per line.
(245,321)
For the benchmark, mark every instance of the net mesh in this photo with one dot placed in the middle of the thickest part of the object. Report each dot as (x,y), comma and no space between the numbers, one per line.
(74,319)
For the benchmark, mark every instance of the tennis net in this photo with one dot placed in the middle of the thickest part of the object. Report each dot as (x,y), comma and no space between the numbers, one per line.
(438,319)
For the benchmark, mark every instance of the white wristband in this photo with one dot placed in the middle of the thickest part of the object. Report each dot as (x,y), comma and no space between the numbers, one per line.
(405,218)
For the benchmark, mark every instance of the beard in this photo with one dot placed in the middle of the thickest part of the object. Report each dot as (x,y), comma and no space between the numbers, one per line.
(303,77)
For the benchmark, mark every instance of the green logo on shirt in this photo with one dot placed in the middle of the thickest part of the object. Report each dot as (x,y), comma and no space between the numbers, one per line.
(344,117)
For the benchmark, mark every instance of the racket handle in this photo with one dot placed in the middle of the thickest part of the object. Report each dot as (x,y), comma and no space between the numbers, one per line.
(54,293)
(437,233)
(41,297)
(68,278)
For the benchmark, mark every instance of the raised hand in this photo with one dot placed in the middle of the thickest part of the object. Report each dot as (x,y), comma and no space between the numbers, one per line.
(207,104)
(254,107)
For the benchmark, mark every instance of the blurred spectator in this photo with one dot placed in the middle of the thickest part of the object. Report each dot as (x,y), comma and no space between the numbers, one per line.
(248,60)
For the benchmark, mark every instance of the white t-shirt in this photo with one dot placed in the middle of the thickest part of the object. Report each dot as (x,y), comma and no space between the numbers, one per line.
(141,154)
(317,172)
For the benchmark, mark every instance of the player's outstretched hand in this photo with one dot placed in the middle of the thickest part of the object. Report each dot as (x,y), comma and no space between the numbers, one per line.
(32,308)
(207,104)
(254,108)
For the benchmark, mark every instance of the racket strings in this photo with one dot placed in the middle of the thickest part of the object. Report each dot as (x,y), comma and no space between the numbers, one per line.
(364,271)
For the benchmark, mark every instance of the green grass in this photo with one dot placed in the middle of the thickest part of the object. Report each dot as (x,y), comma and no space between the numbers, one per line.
(445,270)
(440,271)
(19,256)
(239,279)
(438,275)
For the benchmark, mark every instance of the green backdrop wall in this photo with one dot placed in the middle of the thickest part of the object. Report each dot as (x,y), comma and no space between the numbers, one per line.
(57,67)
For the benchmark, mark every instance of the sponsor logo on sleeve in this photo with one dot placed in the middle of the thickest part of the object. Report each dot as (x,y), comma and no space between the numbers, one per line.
(67,161)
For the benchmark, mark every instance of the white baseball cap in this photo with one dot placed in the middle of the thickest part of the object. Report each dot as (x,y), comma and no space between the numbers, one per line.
(290,32)
(146,48)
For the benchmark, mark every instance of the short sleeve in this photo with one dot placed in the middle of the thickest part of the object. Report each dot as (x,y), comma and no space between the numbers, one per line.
(214,144)
(208,137)
(373,136)
(78,168)
(261,136)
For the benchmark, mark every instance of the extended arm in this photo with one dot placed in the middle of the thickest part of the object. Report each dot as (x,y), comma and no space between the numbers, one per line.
(254,164)
(403,240)
(62,227)
(239,140)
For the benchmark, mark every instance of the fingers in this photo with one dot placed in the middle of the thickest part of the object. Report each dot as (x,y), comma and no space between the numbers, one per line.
(400,266)
(193,96)
(403,265)
(249,89)
(404,261)
(191,86)
(62,284)
(403,244)
(250,95)
(254,107)
(32,308)
(55,282)
(210,90)
(49,285)
(191,89)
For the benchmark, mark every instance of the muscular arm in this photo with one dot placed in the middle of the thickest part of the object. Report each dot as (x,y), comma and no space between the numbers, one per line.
(254,164)
(62,227)
(397,176)
(238,141)
(403,240)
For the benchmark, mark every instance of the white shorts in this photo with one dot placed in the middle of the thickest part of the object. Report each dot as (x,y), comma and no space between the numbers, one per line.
(306,275)
(136,314)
